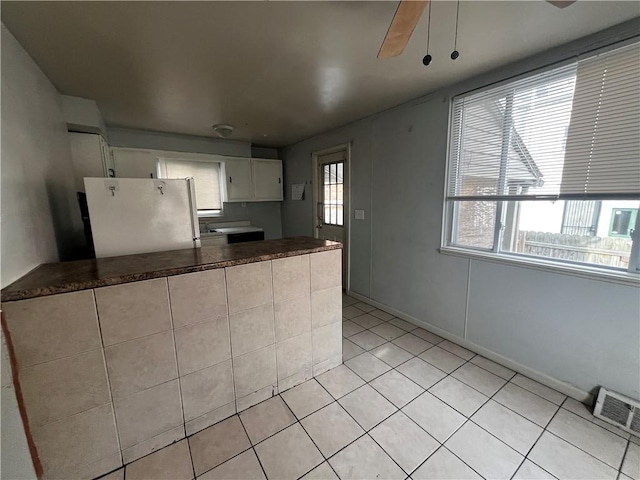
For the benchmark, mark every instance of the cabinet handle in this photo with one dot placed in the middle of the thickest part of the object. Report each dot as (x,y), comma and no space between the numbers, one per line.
(230,180)
(279,180)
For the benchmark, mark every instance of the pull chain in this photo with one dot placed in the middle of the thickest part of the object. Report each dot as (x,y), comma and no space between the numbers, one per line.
(455,54)
(427,58)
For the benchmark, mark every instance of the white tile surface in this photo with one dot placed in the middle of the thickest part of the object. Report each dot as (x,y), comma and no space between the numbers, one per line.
(421,372)
(349,328)
(321,472)
(306,398)
(388,331)
(412,344)
(243,467)
(444,465)
(493,367)
(444,360)
(347,300)
(397,388)
(365,307)
(631,464)
(367,340)
(513,429)
(266,418)
(403,324)
(367,321)
(331,428)
(391,354)
(530,471)
(587,436)
(456,349)
(427,336)
(367,366)
(545,392)
(350,350)
(435,416)
(527,404)
(367,406)
(340,381)
(459,396)
(288,454)
(351,312)
(384,316)
(563,460)
(480,379)
(365,460)
(483,452)
(404,441)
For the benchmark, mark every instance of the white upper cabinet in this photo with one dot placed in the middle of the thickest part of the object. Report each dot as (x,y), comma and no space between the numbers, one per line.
(135,163)
(238,179)
(253,179)
(267,179)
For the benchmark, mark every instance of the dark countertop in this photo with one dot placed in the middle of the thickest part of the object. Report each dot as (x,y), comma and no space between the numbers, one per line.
(53,278)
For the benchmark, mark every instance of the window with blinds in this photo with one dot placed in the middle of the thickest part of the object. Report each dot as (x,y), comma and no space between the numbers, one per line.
(206,176)
(528,154)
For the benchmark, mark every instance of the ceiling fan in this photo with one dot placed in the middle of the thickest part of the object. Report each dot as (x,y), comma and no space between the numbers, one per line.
(405,20)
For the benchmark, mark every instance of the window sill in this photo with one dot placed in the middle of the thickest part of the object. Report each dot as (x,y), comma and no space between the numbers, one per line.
(594,273)
(210,213)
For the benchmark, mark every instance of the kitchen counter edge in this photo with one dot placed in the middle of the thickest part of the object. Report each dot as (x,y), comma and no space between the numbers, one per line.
(65,277)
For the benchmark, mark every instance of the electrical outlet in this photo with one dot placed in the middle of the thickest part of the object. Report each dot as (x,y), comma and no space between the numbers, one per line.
(359,214)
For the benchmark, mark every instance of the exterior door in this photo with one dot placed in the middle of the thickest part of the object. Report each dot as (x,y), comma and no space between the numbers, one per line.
(331,206)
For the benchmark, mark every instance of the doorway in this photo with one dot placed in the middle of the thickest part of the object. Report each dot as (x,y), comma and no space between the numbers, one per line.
(331,200)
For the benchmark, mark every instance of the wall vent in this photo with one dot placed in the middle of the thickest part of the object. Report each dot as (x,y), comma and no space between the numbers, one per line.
(618,410)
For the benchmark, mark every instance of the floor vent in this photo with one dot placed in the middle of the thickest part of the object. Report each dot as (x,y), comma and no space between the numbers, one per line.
(618,410)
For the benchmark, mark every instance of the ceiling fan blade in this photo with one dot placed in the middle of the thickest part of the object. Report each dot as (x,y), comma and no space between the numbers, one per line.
(402,26)
(561,3)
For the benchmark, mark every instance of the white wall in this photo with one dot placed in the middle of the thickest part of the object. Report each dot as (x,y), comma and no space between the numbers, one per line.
(38,206)
(40,215)
(580,331)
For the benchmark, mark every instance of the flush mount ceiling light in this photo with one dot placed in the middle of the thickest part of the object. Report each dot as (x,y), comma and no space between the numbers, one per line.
(223,130)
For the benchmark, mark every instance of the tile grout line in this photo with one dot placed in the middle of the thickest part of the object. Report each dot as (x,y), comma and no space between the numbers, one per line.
(400,410)
(175,357)
(468,419)
(397,409)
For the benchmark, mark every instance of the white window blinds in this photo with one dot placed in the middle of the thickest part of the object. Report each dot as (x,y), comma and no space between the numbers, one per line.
(603,144)
(207,180)
(571,132)
(509,140)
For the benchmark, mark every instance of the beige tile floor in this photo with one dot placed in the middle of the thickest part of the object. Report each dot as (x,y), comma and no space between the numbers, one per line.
(405,404)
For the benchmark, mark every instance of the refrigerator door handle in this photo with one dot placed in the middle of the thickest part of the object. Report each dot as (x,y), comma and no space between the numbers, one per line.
(195,226)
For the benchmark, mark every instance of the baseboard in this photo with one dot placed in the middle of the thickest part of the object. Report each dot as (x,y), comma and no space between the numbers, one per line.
(551,382)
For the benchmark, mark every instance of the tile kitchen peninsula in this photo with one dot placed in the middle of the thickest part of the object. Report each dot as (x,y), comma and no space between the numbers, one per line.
(118,357)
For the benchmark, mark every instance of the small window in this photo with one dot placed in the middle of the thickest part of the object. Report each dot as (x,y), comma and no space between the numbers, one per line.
(207,181)
(623,221)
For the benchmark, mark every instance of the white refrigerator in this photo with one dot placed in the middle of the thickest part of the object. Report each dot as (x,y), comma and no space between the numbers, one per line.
(141,215)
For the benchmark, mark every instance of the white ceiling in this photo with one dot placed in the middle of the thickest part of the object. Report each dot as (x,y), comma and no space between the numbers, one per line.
(278,71)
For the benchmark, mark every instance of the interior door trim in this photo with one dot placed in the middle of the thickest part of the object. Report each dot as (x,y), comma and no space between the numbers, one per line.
(346,147)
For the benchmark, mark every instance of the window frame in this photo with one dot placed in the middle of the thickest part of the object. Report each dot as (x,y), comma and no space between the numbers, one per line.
(633,219)
(196,157)
(630,276)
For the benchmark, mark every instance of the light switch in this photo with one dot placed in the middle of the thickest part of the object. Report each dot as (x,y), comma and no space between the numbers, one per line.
(359,214)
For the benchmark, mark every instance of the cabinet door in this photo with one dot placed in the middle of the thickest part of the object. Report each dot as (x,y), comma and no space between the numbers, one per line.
(135,163)
(267,179)
(238,179)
